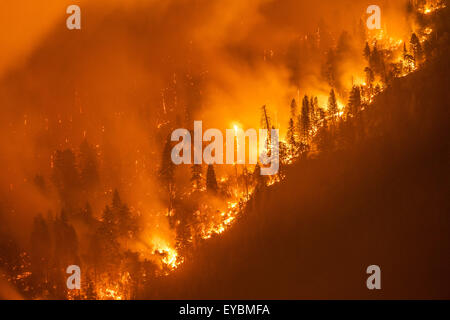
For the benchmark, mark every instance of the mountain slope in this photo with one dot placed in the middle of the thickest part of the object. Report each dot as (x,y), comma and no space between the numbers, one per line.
(380,200)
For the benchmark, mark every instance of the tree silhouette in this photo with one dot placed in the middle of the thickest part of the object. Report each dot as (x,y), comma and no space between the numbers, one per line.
(329,68)
(293,109)
(211,181)
(354,102)
(313,106)
(416,49)
(332,105)
(304,120)
(291,138)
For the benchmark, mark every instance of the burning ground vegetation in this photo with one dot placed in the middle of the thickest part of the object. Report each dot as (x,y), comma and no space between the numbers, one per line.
(94,214)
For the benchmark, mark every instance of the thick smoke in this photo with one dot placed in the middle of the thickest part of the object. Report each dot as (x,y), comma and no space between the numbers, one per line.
(137,69)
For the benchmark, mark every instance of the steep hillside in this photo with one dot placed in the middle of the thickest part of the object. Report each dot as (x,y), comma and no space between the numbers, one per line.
(382,199)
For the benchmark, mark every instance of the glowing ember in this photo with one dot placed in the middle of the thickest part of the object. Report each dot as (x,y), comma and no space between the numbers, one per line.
(170,257)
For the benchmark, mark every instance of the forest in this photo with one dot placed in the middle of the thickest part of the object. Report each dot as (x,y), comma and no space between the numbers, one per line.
(363,117)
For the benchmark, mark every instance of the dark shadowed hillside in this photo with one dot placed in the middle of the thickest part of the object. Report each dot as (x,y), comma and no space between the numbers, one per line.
(382,198)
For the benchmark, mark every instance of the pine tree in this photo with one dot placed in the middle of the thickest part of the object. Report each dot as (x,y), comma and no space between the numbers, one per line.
(290,135)
(408,60)
(291,139)
(416,49)
(293,109)
(211,181)
(370,78)
(332,105)
(108,217)
(66,242)
(354,102)
(376,62)
(323,139)
(283,153)
(313,106)
(305,122)
(109,224)
(344,44)
(329,68)
(322,114)
(124,224)
(104,244)
(405,51)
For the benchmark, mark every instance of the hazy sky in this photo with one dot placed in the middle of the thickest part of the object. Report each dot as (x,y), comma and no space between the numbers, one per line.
(24,23)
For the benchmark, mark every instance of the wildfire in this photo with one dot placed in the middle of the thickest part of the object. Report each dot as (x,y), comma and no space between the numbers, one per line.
(429,8)
(170,257)
(214,217)
(217,223)
(428,31)
(110,294)
(225,220)
(167,254)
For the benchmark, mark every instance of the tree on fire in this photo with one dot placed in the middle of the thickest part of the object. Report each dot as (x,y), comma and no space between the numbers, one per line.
(416,49)
(354,102)
(332,106)
(197,176)
(304,120)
